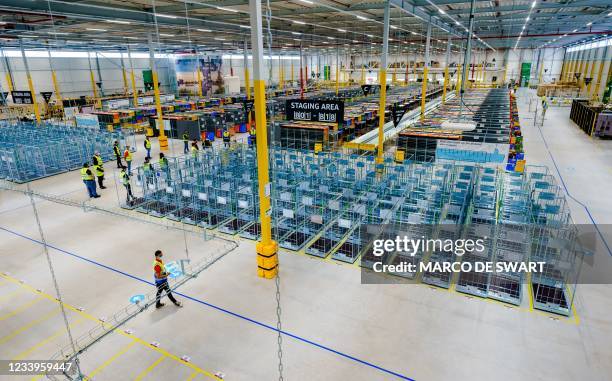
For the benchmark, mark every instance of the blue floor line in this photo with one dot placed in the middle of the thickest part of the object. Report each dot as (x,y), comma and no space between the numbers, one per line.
(299,338)
(603,239)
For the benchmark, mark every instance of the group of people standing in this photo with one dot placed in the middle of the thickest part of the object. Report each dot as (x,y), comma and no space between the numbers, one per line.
(89,176)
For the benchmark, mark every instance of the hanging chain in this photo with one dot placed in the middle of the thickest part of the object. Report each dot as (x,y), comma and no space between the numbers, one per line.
(279,325)
(55,285)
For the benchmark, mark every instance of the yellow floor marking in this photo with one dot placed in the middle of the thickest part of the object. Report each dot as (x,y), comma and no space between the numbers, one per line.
(31,324)
(28,351)
(150,368)
(21,308)
(11,294)
(114,357)
(192,375)
(108,326)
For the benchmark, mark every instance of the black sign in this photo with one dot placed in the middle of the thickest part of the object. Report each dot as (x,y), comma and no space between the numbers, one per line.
(22,97)
(3,99)
(315,110)
(371,89)
(46,95)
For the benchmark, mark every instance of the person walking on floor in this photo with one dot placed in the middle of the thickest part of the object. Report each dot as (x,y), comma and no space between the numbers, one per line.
(125,180)
(226,138)
(252,137)
(147,146)
(127,155)
(117,152)
(98,165)
(88,179)
(185,142)
(161,281)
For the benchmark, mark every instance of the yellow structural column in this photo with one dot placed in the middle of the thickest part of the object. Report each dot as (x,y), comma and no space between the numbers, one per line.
(132,77)
(337,70)
(445,84)
(382,105)
(93,80)
(58,94)
(267,249)
(425,71)
(247,79)
(30,83)
(8,81)
(458,85)
(599,75)
(162,139)
(592,71)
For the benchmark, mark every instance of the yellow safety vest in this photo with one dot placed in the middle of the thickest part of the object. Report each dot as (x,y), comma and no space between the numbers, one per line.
(185,137)
(226,134)
(98,160)
(124,178)
(129,155)
(194,151)
(85,175)
(147,144)
(99,170)
(163,269)
(163,163)
(146,166)
(252,131)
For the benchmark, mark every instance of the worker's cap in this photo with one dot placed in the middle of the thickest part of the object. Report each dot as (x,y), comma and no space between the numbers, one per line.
(86,164)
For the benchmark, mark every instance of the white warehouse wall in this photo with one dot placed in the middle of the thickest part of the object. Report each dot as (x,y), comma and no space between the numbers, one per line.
(73,73)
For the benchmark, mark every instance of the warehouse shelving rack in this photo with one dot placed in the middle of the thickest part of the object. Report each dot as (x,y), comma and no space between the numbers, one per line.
(29,152)
(329,204)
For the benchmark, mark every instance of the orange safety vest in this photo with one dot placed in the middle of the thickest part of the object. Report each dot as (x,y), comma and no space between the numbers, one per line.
(160,263)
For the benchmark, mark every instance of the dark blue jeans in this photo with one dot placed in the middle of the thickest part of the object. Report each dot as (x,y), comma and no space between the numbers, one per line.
(91,187)
(185,147)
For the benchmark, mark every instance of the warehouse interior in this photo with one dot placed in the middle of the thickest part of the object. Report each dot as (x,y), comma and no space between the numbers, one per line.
(248,158)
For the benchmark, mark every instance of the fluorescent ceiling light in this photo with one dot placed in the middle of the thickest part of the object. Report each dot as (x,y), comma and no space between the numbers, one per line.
(166,16)
(369,35)
(589,23)
(575,30)
(96,29)
(95,39)
(2,23)
(299,22)
(457,22)
(392,27)
(330,38)
(204,30)
(166,35)
(219,39)
(133,38)
(227,9)
(118,21)
(533,4)
(610,14)
(361,17)
(245,26)
(296,33)
(58,33)
(527,19)
(442,11)
(306,1)
(341,30)
(414,33)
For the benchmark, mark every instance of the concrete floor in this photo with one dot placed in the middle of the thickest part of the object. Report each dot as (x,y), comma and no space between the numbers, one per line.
(340,329)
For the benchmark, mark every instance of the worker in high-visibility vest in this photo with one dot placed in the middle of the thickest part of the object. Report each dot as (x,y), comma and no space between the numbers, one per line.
(194,149)
(125,180)
(88,180)
(252,137)
(226,138)
(147,146)
(98,166)
(185,142)
(163,164)
(117,152)
(161,281)
(127,155)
